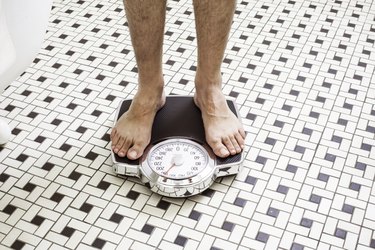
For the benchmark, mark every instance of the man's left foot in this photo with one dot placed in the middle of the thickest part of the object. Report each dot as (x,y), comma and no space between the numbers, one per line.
(224,131)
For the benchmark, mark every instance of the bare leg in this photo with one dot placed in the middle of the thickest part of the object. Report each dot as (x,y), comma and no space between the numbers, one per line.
(132,132)
(224,132)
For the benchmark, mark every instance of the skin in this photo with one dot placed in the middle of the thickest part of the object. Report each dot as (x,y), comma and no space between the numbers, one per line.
(146,19)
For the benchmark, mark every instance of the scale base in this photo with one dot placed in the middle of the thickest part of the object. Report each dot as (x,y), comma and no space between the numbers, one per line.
(179,118)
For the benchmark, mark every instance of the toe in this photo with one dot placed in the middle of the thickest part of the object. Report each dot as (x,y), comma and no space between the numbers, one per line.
(136,151)
(219,148)
(240,140)
(124,149)
(119,144)
(236,145)
(230,143)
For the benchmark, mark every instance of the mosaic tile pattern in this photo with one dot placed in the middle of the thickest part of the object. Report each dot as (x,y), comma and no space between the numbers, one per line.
(302,73)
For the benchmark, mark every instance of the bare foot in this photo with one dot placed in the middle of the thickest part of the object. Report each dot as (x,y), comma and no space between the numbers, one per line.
(132,132)
(224,131)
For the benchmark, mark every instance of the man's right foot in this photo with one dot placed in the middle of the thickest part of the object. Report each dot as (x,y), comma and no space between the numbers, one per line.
(132,132)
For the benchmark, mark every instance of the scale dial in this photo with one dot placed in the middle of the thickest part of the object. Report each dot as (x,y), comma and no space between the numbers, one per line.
(177,159)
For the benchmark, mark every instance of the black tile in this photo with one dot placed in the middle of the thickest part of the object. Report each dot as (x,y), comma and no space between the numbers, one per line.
(287,107)
(307,131)
(32,114)
(26,93)
(323,177)
(147,228)
(40,139)
(282,189)
(291,168)
(347,208)
(103,46)
(132,195)
(68,231)
(72,106)
(163,204)
(86,207)
(4,177)
(228,226)
(296,246)
(336,138)
(208,192)
(261,160)
(48,166)
(110,97)
(251,180)
(180,240)
(98,243)
(91,156)
(342,121)
(306,222)
(9,108)
(37,220)
(29,187)
(251,116)
(243,79)
(354,186)
(233,94)
(279,124)
(301,78)
(195,215)
(57,197)
(16,131)
(81,129)
(17,245)
(273,212)
(315,198)
(41,79)
(117,218)
(268,86)
(340,233)
(370,129)
(170,62)
(314,114)
(262,237)
(360,166)
(294,92)
(48,99)
(22,157)
(239,202)
(106,137)
(56,122)
(299,149)
(330,157)
(86,91)
(9,209)
(104,185)
(270,141)
(372,243)
(65,147)
(366,146)
(74,175)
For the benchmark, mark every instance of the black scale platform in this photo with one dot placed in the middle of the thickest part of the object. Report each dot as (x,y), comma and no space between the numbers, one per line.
(179,118)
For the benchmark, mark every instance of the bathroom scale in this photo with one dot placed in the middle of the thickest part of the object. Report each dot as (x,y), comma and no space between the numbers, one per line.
(178,161)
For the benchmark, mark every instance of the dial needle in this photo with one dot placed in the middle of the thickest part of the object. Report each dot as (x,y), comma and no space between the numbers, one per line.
(173,165)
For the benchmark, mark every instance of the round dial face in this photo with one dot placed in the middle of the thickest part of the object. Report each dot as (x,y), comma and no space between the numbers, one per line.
(179,159)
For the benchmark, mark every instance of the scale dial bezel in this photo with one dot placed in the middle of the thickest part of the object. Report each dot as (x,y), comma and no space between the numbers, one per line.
(165,182)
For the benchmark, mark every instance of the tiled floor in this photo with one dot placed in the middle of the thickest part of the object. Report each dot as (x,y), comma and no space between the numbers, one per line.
(302,73)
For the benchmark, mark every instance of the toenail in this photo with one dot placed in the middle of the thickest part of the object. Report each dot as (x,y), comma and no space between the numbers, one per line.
(224,152)
(133,154)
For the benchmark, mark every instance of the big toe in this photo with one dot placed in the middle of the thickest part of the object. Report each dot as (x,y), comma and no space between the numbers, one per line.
(136,151)
(219,148)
